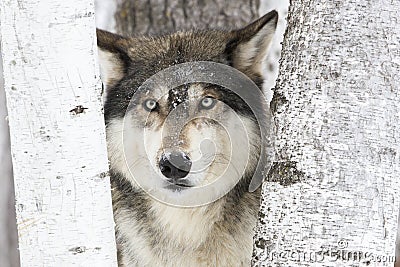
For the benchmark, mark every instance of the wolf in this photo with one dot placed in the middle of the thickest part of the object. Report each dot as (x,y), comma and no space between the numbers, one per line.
(150,232)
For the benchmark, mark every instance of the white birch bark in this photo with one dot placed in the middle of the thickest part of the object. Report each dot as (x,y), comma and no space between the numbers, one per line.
(62,188)
(332,197)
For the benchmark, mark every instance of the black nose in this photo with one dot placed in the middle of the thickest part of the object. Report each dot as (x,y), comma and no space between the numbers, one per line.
(175,165)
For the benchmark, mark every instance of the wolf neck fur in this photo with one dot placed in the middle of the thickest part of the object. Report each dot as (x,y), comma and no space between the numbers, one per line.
(188,229)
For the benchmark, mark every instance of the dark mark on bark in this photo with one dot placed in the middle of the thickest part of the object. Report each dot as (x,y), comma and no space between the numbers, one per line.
(39,205)
(277,101)
(78,250)
(261,215)
(387,151)
(78,110)
(104,175)
(285,173)
(260,243)
(20,207)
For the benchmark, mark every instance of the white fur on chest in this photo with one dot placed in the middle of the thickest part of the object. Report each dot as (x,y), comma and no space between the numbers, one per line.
(195,237)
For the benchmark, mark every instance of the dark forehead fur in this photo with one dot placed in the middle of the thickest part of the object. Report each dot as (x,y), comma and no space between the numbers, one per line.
(145,56)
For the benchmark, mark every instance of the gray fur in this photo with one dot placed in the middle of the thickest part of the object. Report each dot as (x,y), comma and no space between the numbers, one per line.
(150,233)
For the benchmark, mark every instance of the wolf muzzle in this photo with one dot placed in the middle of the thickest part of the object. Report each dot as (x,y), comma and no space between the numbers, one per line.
(175,166)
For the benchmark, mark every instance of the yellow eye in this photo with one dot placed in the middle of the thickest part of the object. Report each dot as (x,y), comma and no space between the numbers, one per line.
(207,103)
(150,104)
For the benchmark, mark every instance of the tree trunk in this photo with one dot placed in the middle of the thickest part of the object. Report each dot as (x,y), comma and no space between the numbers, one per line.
(332,197)
(135,17)
(60,165)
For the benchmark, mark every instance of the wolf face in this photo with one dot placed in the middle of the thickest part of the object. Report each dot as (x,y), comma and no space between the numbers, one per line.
(178,139)
(185,139)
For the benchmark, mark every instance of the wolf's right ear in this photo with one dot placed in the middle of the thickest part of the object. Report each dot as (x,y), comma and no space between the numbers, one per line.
(113,59)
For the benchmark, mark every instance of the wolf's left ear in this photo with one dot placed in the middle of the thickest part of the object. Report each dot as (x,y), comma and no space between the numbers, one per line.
(249,46)
(113,59)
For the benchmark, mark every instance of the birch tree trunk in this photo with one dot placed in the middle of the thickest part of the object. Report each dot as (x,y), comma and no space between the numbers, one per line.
(62,189)
(135,17)
(332,197)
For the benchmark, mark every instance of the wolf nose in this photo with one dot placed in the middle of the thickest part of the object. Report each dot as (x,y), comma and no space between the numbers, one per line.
(175,165)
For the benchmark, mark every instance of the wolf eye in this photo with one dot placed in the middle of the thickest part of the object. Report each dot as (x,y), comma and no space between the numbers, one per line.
(207,103)
(150,104)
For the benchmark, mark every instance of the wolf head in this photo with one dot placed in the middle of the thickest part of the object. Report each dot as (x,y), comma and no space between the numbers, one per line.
(190,135)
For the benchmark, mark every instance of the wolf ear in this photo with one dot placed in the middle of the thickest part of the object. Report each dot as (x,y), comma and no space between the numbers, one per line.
(249,45)
(113,59)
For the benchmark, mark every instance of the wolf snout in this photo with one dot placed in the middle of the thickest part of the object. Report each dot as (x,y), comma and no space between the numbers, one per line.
(175,166)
